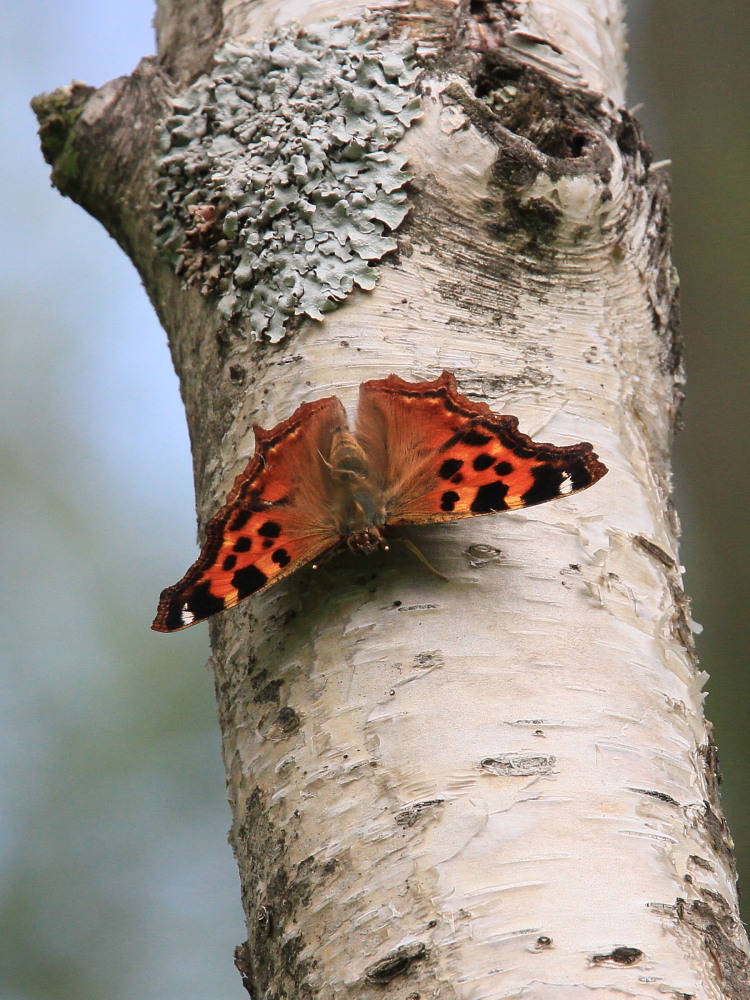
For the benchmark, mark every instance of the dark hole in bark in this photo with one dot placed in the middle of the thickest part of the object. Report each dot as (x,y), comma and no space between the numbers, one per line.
(531,106)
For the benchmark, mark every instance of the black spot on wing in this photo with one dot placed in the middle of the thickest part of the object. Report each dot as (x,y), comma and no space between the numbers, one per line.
(547,480)
(450,467)
(174,621)
(247,580)
(243,544)
(449,500)
(229,563)
(239,520)
(580,477)
(503,468)
(268,543)
(270,529)
(281,557)
(490,497)
(482,461)
(201,603)
(475,437)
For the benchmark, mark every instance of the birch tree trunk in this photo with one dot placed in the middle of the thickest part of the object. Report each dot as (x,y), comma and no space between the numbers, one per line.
(500,786)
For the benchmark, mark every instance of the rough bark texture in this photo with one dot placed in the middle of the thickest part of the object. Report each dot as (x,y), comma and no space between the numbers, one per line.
(500,786)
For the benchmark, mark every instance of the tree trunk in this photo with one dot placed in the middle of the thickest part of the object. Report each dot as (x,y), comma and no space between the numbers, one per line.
(503,785)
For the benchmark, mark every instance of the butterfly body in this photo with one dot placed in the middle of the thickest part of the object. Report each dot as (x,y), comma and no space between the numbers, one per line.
(356,502)
(420,453)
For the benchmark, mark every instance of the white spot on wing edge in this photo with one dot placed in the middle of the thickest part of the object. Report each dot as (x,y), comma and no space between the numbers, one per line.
(187,617)
(566,485)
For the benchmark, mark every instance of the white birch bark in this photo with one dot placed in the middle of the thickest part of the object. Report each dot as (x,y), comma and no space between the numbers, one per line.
(500,786)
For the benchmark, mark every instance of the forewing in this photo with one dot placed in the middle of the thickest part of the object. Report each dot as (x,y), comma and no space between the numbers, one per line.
(439,456)
(277,517)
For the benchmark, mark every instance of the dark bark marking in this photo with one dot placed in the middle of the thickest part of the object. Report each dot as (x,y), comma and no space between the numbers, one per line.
(395,963)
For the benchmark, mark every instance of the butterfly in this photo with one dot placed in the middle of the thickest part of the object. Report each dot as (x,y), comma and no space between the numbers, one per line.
(420,453)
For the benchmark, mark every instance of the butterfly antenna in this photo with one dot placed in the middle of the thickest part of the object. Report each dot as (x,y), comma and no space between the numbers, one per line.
(542,428)
(422,557)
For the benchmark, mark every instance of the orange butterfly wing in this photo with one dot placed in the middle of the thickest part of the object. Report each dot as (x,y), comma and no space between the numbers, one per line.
(439,456)
(278,516)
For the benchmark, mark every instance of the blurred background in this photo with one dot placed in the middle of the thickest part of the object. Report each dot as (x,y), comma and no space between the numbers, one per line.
(116,881)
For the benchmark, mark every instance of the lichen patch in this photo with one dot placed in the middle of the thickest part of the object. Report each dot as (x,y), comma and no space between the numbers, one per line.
(291,142)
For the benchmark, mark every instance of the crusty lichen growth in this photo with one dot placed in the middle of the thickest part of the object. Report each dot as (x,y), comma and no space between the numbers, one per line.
(280,182)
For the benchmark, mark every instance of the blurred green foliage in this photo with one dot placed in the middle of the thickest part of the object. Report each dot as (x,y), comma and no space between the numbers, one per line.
(116,880)
(689,64)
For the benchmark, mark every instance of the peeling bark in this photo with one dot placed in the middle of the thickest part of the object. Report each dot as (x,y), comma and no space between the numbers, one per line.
(503,785)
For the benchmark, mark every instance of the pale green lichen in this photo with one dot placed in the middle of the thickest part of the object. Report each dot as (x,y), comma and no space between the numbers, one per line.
(290,144)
